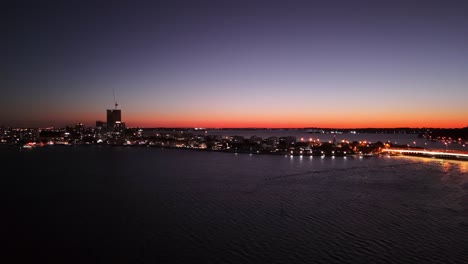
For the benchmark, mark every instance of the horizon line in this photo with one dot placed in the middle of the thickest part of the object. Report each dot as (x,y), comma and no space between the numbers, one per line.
(238,128)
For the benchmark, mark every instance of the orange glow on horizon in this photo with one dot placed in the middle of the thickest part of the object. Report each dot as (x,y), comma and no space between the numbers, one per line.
(293,120)
(287,123)
(268,120)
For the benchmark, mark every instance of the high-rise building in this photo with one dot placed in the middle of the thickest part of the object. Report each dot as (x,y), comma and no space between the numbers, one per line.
(113,116)
(100,124)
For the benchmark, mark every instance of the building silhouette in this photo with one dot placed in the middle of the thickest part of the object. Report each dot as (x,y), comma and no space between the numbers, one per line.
(100,124)
(114,117)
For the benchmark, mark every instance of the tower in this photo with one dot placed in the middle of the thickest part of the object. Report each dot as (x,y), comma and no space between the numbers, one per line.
(114,116)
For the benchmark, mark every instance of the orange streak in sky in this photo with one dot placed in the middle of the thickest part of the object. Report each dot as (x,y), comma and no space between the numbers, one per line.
(278,119)
(293,121)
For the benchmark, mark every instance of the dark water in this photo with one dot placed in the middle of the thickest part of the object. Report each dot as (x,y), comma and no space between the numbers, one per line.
(145,205)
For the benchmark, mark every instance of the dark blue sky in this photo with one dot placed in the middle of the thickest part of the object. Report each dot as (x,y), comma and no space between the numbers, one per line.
(236,63)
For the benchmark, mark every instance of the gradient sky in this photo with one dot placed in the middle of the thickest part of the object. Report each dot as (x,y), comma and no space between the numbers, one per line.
(343,64)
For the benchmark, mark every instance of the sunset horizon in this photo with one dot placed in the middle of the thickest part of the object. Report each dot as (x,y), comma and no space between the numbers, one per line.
(245,125)
(236,64)
(234,131)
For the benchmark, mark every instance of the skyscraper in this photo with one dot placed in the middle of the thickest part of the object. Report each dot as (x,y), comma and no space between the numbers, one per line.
(113,116)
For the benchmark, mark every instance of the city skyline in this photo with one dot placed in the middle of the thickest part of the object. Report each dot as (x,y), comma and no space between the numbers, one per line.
(217,64)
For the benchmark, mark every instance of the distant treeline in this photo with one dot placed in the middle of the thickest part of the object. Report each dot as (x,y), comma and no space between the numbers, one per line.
(454,133)
(396,130)
(435,132)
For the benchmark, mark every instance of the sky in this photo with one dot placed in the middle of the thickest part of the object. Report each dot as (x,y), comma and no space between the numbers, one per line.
(340,64)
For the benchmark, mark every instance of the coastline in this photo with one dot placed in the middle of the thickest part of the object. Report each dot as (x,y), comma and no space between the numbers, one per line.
(431,154)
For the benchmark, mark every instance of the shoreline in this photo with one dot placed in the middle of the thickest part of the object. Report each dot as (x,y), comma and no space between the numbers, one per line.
(389,152)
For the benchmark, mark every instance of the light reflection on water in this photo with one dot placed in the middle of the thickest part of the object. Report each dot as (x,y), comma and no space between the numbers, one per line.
(456,166)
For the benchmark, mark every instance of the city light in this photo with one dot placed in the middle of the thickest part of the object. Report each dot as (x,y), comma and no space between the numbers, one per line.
(426,152)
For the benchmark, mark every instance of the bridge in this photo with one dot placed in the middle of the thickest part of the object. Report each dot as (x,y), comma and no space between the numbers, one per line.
(459,155)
